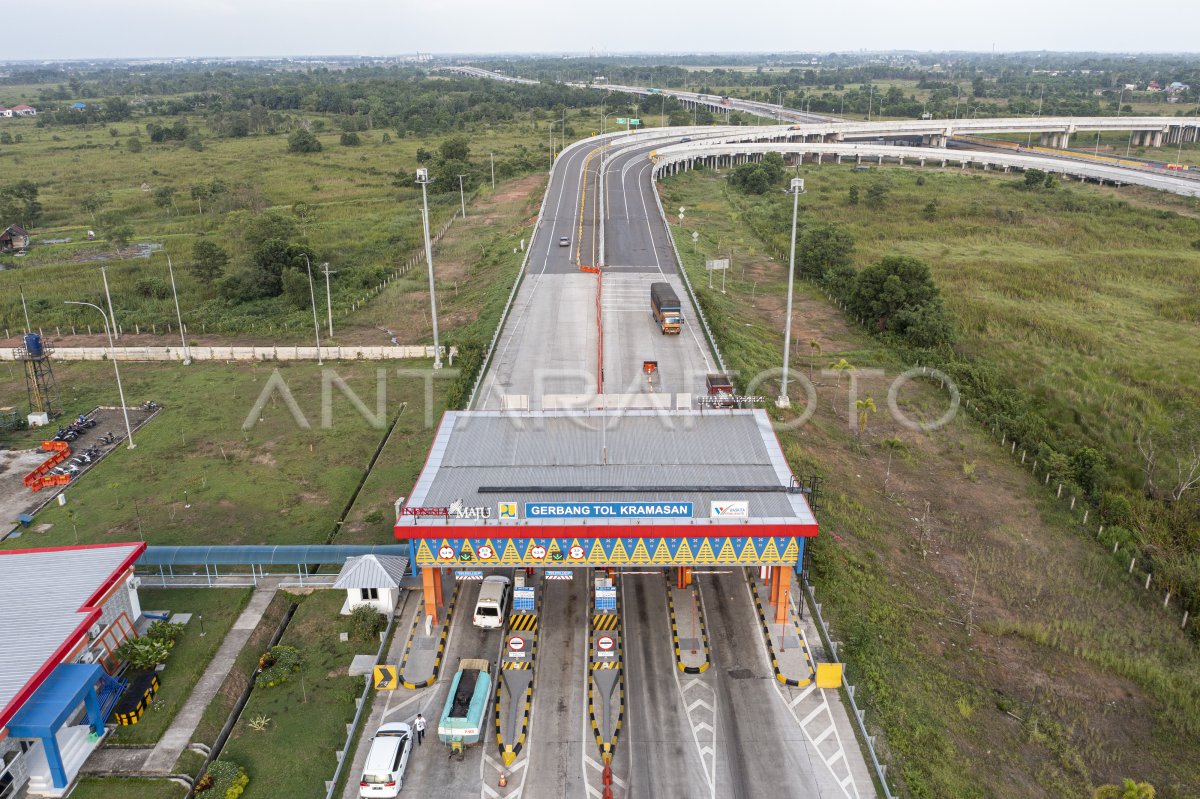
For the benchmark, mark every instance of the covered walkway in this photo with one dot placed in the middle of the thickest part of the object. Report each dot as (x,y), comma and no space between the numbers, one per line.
(247,565)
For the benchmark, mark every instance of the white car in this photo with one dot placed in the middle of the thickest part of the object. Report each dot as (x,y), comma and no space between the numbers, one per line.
(564,241)
(383,774)
(492,603)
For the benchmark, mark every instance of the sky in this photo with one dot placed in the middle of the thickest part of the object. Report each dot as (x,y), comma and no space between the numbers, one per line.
(83,29)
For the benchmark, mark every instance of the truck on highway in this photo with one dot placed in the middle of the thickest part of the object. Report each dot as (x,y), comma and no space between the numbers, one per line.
(462,717)
(666,308)
(720,391)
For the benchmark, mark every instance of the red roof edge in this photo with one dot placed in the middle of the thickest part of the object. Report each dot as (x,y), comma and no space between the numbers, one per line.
(428,455)
(92,612)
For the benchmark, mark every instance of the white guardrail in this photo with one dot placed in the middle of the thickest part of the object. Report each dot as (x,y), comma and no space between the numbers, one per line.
(487,360)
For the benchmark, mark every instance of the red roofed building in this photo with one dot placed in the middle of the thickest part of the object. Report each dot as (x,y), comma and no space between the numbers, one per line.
(24,110)
(63,613)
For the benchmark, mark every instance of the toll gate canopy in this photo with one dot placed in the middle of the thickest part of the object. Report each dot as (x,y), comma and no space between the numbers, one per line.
(618,488)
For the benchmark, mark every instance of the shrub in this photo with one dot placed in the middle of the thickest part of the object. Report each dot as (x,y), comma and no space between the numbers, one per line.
(303,141)
(350,139)
(277,666)
(366,623)
(143,654)
(165,631)
(226,780)
(152,288)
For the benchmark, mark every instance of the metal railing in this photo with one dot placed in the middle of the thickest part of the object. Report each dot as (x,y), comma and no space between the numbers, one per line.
(832,647)
(512,295)
(361,702)
(708,334)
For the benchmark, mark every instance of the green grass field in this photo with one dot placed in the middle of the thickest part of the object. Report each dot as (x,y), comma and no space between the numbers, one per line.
(217,713)
(284,480)
(294,754)
(997,650)
(126,788)
(365,216)
(190,655)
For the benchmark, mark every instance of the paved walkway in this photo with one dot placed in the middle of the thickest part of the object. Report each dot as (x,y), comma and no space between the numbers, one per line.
(162,758)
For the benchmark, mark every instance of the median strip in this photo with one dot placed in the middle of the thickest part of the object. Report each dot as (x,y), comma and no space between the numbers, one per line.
(766,630)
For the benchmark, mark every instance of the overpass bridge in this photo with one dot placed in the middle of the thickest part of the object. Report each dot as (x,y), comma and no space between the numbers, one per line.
(730,152)
(476,72)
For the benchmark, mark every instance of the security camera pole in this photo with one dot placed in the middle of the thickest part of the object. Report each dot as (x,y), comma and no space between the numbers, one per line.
(797,188)
(424,179)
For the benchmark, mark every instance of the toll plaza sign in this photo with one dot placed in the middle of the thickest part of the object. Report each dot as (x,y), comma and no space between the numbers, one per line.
(608,510)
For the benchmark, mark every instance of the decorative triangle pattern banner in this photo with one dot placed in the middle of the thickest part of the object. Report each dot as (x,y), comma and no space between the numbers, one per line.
(616,552)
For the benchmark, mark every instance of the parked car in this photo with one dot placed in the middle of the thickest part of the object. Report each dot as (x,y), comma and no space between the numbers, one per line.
(387,760)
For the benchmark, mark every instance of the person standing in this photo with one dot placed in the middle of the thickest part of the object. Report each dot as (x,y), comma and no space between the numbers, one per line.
(420,727)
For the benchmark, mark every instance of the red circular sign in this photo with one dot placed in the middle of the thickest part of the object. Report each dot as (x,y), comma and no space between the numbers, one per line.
(516,643)
(605,642)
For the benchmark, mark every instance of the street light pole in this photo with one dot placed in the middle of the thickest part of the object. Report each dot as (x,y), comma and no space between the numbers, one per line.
(328,297)
(112,316)
(313,296)
(187,355)
(797,188)
(462,197)
(493,157)
(424,179)
(116,368)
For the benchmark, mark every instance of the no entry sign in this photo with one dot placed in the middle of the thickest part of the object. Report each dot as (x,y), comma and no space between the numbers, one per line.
(516,644)
(605,643)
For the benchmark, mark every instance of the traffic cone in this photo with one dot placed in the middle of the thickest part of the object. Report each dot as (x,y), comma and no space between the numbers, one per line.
(606,775)
(503,779)
(608,794)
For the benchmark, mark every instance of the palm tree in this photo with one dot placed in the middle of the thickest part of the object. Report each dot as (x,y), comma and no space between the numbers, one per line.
(865,408)
(1128,789)
(841,366)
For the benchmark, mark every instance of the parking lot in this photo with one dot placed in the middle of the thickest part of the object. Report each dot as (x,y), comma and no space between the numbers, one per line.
(17,499)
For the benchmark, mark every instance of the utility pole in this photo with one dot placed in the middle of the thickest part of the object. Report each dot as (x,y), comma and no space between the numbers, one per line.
(25,308)
(424,179)
(797,188)
(312,295)
(187,356)
(462,197)
(493,157)
(112,317)
(328,297)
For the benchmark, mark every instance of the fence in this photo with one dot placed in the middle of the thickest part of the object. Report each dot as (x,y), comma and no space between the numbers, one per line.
(272,353)
(360,703)
(831,646)
(1072,501)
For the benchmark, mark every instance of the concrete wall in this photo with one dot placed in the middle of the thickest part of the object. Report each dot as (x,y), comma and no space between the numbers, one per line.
(124,601)
(274,353)
(12,759)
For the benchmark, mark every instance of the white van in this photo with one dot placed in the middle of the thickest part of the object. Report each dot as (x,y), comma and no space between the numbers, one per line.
(493,602)
(383,774)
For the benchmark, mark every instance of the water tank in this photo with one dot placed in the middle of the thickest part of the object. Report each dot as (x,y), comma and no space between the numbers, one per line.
(33,345)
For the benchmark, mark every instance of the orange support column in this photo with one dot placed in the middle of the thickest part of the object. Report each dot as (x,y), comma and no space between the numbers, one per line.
(783,601)
(437,587)
(431,580)
(773,582)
